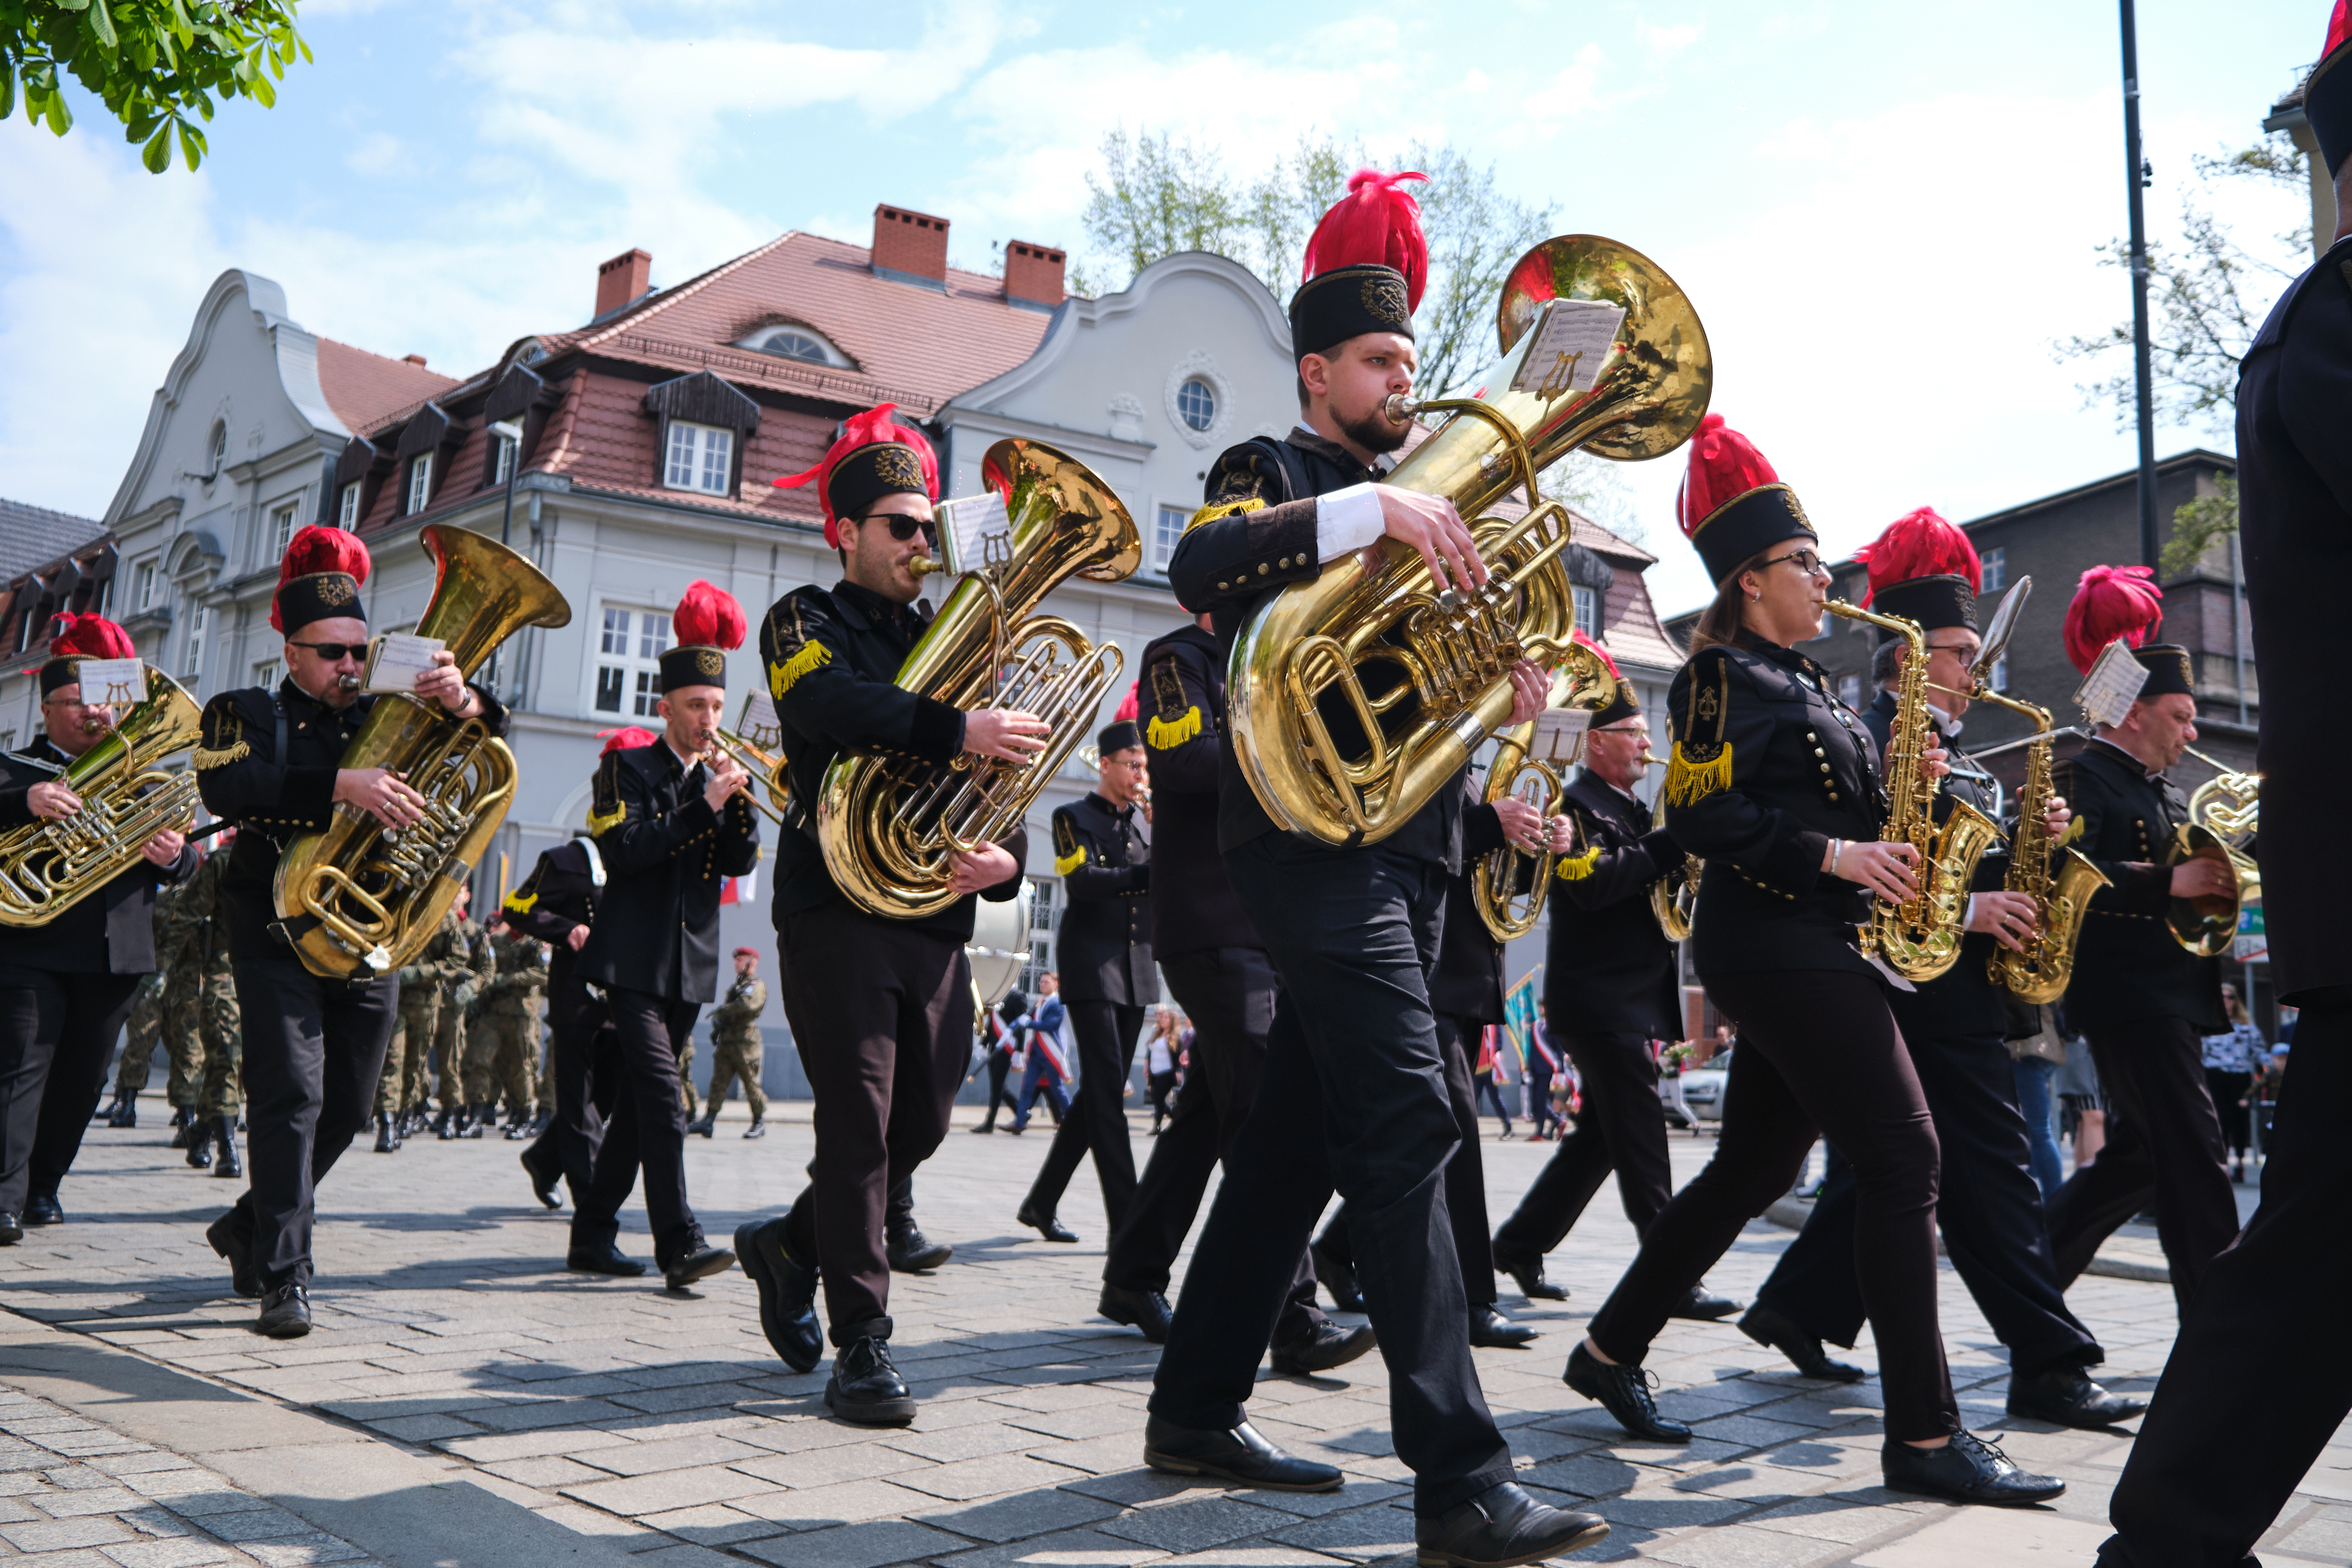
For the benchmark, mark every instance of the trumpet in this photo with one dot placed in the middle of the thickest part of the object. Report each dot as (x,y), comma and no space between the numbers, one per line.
(1090,756)
(766,769)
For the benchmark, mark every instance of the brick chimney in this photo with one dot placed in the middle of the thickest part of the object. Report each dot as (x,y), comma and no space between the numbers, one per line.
(1034,272)
(914,244)
(621,279)
(416,360)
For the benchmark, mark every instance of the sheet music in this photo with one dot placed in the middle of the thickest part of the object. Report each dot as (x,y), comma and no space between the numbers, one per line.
(1559,734)
(397,659)
(966,525)
(116,682)
(2108,692)
(1572,347)
(760,725)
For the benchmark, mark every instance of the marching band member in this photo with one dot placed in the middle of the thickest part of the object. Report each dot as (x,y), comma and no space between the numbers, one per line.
(671,825)
(880,1010)
(1103,951)
(1775,784)
(1926,571)
(2143,1003)
(2251,1395)
(1613,989)
(66,986)
(1353,935)
(270,761)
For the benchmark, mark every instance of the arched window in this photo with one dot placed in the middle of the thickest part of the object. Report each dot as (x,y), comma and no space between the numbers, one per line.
(803,343)
(1196,402)
(216,450)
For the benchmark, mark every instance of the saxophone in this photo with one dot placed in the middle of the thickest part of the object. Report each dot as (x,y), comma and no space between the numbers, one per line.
(1919,938)
(2041,970)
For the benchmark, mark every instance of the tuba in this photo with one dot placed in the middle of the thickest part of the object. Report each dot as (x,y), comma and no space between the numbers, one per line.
(888,825)
(359,899)
(1509,884)
(1357,696)
(127,797)
(2224,814)
(1920,938)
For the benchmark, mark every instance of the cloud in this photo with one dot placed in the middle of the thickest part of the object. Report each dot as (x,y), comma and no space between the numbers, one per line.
(1572,94)
(377,153)
(1665,43)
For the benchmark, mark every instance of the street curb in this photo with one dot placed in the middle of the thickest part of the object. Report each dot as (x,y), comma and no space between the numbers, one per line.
(1791,1213)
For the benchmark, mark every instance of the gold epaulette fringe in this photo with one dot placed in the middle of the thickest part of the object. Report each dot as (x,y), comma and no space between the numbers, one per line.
(206,756)
(1167,736)
(519,903)
(1064,865)
(1691,779)
(2073,830)
(1576,868)
(600,823)
(783,677)
(1210,514)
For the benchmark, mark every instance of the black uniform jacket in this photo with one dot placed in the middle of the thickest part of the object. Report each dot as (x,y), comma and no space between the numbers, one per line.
(668,855)
(832,662)
(1468,981)
(557,896)
(1608,969)
(2294,507)
(1256,537)
(2127,965)
(112,931)
(1964,1000)
(1103,947)
(1193,906)
(1769,767)
(274,799)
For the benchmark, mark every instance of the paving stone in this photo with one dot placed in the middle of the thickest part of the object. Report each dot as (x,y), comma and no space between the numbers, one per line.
(854,1546)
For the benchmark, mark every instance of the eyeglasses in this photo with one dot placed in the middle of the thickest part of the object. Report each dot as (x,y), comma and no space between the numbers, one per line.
(335,653)
(1805,560)
(902,526)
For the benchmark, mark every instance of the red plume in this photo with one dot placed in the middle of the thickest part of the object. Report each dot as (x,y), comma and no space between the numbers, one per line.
(1374,222)
(2112,601)
(863,430)
(625,739)
(1583,641)
(1920,544)
(1723,464)
(707,617)
(91,637)
(314,550)
(2339,27)
(1128,707)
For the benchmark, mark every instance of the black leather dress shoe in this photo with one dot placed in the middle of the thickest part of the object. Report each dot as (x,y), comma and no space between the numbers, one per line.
(237,1249)
(912,1253)
(787,1293)
(43,1208)
(1144,1309)
(1337,1276)
(1321,1348)
(1530,1278)
(1966,1469)
(1502,1526)
(1490,1330)
(605,1259)
(1044,1224)
(699,1260)
(543,1179)
(1624,1393)
(2066,1396)
(12,1229)
(285,1313)
(866,1389)
(1766,1327)
(1240,1456)
(1703,1306)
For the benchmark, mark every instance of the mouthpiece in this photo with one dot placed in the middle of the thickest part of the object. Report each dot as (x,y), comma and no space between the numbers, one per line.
(1399,409)
(923,566)
(348,682)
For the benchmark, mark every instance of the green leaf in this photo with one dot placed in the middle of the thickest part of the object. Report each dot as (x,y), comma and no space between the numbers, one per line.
(7,88)
(262,92)
(191,145)
(103,23)
(72,5)
(60,117)
(157,153)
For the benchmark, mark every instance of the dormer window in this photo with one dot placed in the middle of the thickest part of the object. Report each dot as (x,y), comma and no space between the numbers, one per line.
(803,343)
(347,509)
(420,481)
(701,457)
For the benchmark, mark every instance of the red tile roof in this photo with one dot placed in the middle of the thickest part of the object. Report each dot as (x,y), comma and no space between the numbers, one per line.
(363,388)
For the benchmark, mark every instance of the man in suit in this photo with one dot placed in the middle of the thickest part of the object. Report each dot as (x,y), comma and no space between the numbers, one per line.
(557,905)
(672,827)
(1104,949)
(1044,1055)
(66,986)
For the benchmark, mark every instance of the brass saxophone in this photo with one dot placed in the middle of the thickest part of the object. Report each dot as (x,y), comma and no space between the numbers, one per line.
(1919,938)
(127,797)
(2041,970)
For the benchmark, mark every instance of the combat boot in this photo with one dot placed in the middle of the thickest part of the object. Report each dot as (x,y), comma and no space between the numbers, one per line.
(226,1164)
(478,1120)
(387,1136)
(183,1125)
(200,1145)
(125,1110)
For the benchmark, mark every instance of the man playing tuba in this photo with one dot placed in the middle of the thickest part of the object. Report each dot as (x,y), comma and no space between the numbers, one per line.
(270,761)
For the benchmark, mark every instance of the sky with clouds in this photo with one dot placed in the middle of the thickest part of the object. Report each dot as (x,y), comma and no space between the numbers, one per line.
(1885,214)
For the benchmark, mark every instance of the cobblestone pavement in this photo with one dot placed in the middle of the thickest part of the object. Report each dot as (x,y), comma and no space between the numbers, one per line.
(625,1422)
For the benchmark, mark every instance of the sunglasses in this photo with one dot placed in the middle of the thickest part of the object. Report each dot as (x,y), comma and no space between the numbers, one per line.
(335,653)
(902,526)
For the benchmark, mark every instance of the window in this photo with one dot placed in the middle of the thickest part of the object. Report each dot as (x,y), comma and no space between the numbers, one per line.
(192,647)
(1999,665)
(503,469)
(1850,690)
(347,508)
(420,483)
(267,674)
(1588,610)
(1196,403)
(1045,916)
(1996,570)
(628,661)
(216,451)
(281,530)
(145,581)
(796,343)
(1165,533)
(700,458)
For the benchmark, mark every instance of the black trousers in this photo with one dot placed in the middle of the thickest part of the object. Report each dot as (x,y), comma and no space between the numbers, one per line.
(1989,1211)
(587,1061)
(648,1129)
(1466,1174)
(1622,1127)
(881,1014)
(1228,993)
(2252,1395)
(1819,1054)
(1106,1033)
(1354,936)
(313,1059)
(56,1033)
(2164,1141)
(1000,1067)
(2229,1091)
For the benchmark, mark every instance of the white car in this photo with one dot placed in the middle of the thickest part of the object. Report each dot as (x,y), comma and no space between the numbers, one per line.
(1702,1088)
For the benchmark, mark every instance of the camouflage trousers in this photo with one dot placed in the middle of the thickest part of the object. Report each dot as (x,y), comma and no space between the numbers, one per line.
(404,1084)
(502,1058)
(737,1057)
(206,1039)
(449,1032)
(222,1091)
(686,1079)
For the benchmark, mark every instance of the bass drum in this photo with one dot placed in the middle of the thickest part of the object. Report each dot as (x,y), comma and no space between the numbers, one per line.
(999,947)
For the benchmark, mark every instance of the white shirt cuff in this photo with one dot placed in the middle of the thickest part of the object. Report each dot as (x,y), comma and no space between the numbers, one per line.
(1345,521)
(1969,914)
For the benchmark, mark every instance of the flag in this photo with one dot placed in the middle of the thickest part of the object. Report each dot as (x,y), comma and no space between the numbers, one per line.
(727,891)
(1520,1016)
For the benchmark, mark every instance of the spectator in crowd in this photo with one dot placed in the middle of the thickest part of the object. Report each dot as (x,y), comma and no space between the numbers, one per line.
(1488,1077)
(2233,1060)
(1159,1064)
(1047,1056)
(2037,1049)
(999,1038)
(2081,1102)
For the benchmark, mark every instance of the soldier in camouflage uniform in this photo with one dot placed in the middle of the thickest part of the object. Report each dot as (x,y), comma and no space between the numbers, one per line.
(198,909)
(735,1046)
(220,1089)
(502,1044)
(422,980)
(476,966)
(141,1030)
(152,1015)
